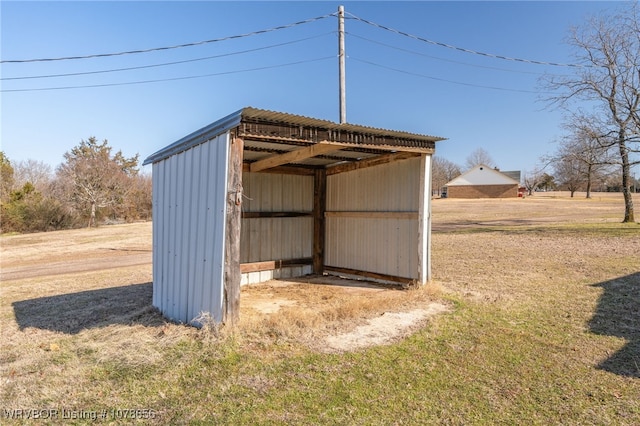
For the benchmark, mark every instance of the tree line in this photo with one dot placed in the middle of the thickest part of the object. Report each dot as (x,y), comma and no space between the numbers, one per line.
(93,185)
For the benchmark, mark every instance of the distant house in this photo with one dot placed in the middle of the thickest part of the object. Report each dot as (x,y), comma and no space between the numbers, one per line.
(484,182)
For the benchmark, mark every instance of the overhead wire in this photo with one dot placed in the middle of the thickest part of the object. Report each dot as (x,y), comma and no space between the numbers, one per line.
(178,46)
(73,74)
(443,59)
(168,79)
(443,79)
(351,16)
(461,49)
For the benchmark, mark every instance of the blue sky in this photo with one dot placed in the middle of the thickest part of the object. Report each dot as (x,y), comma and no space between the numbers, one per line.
(393,81)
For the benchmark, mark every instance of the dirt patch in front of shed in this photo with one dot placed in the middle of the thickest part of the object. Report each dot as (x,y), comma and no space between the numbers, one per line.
(84,279)
(333,314)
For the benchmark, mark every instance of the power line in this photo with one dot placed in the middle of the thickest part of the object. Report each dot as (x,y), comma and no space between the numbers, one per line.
(168,79)
(443,59)
(461,49)
(442,79)
(164,63)
(178,46)
(267,67)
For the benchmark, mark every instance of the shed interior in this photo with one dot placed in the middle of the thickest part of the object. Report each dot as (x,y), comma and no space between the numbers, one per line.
(302,176)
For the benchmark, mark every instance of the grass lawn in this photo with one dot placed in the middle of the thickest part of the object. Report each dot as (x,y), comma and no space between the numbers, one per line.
(542,327)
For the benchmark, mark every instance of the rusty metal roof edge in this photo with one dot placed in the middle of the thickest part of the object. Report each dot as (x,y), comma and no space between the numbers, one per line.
(287,118)
(232,120)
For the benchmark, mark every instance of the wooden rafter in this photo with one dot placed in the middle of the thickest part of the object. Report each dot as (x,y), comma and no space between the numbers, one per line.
(293,156)
(370,162)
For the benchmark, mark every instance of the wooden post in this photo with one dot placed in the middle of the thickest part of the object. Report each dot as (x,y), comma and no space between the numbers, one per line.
(232,274)
(319,208)
(424,222)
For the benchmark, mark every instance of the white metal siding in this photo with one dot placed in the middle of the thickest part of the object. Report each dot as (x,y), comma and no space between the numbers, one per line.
(189,193)
(270,192)
(381,245)
(389,187)
(263,239)
(276,239)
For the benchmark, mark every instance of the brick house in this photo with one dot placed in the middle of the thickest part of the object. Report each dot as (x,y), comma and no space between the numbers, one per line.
(483,181)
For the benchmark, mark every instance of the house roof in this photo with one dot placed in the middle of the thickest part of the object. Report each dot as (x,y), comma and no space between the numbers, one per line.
(269,133)
(482,175)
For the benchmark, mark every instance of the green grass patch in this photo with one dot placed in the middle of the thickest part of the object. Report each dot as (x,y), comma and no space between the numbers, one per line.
(604,229)
(471,366)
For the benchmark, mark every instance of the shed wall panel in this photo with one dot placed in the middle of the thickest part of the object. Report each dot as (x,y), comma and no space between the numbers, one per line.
(270,192)
(374,244)
(388,187)
(383,246)
(189,220)
(278,238)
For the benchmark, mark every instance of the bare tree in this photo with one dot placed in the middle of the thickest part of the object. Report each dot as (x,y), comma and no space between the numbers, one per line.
(38,173)
(443,172)
(583,155)
(477,157)
(608,50)
(571,174)
(137,204)
(532,179)
(93,178)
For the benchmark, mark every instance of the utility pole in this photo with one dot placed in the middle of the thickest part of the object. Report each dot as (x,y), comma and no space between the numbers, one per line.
(341,71)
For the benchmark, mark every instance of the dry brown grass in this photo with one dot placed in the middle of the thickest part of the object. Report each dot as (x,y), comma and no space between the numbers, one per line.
(313,308)
(544,327)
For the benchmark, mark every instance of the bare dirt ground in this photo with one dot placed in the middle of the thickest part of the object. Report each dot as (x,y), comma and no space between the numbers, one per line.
(44,273)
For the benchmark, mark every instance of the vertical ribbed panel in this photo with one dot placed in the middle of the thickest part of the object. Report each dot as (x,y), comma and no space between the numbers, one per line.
(280,238)
(380,245)
(270,192)
(390,187)
(189,192)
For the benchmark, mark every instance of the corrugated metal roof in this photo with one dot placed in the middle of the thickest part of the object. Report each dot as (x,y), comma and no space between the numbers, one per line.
(199,136)
(299,120)
(250,114)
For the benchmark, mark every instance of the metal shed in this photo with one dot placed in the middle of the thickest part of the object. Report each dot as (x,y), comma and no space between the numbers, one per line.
(259,195)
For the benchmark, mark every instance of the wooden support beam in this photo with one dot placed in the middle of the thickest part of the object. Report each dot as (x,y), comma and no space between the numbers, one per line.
(232,276)
(375,161)
(319,221)
(293,156)
(375,215)
(393,148)
(260,215)
(271,265)
(283,170)
(372,275)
